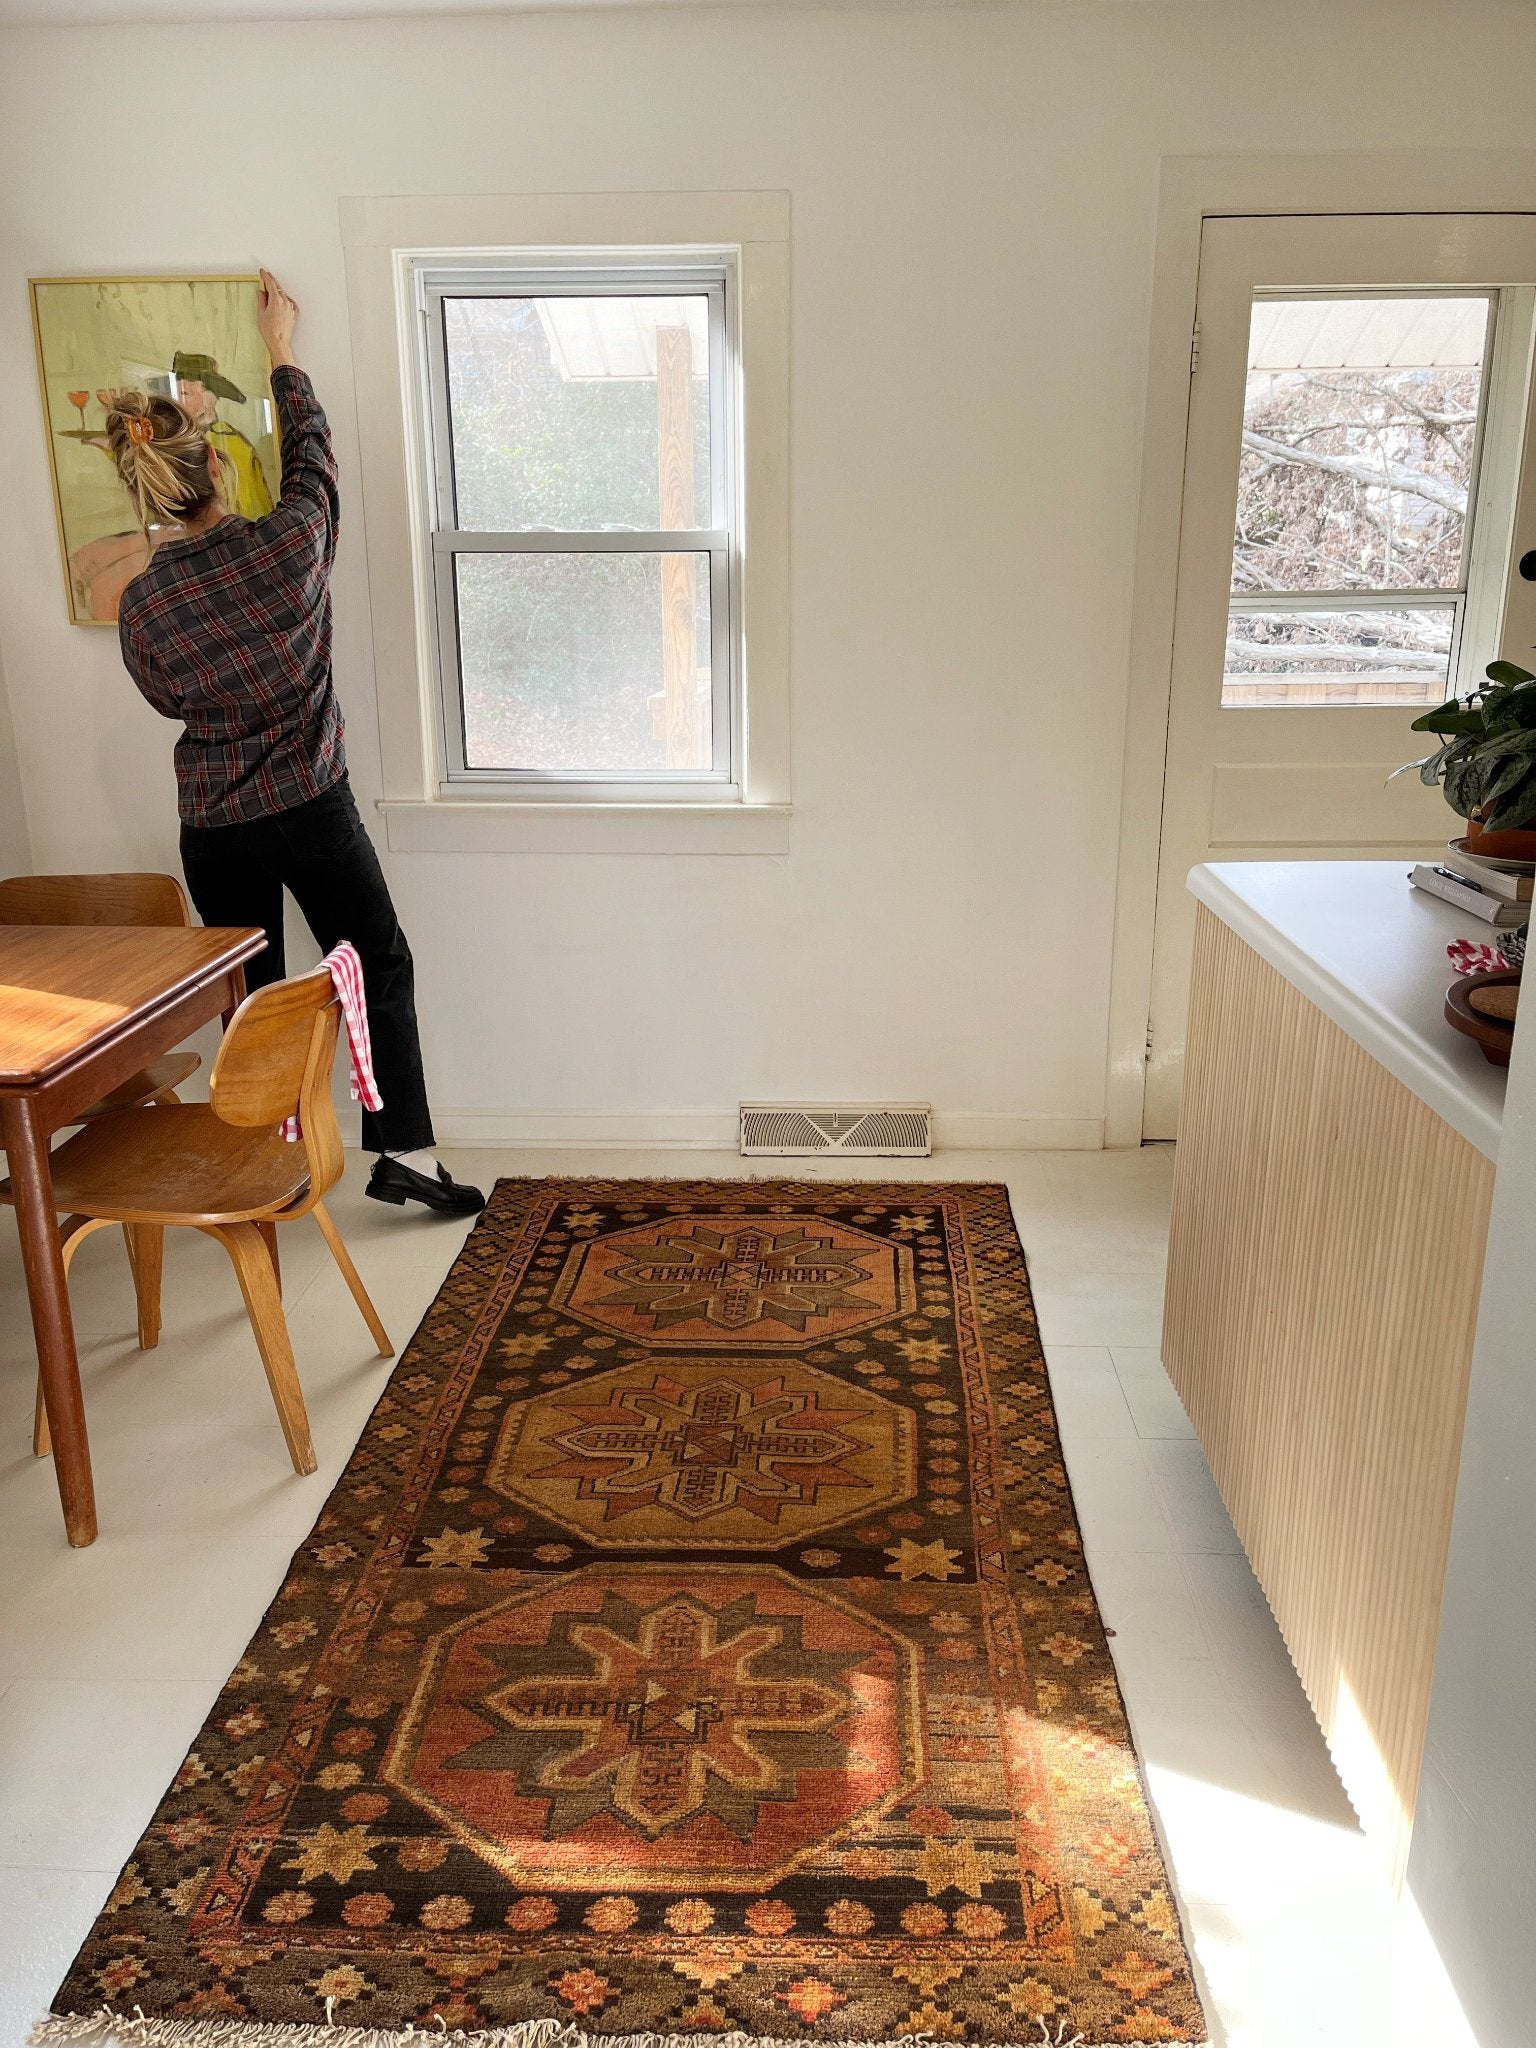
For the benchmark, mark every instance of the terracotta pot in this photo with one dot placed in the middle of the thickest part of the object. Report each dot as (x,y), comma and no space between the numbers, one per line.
(1517,845)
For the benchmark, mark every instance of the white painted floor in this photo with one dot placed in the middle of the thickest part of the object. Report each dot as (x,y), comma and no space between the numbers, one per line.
(111,1657)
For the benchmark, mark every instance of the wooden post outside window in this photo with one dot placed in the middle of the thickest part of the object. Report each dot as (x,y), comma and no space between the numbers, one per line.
(681,702)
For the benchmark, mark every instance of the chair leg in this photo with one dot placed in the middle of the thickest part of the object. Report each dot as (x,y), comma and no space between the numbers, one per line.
(350,1274)
(269,1239)
(42,1442)
(146,1255)
(166,1097)
(71,1231)
(264,1305)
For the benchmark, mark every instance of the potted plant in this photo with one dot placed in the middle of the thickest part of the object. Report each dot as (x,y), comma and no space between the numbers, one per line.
(1486,762)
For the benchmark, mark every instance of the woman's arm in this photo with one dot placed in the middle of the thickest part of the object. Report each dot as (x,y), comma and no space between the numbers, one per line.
(309,486)
(276,317)
(152,687)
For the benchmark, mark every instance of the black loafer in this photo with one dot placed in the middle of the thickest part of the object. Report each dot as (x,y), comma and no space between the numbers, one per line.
(392,1182)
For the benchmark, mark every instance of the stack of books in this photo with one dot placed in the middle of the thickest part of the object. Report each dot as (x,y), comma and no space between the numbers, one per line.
(1498,891)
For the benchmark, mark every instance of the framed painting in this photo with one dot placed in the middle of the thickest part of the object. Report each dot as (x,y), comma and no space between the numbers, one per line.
(190,338)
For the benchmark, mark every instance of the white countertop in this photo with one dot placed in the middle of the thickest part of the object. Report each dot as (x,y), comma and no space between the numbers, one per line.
(1370,952)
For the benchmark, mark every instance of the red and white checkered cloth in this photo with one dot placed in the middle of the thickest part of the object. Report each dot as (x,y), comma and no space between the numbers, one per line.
(346,972)
(1468,957)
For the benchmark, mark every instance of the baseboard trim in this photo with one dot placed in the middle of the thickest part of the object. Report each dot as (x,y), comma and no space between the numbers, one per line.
(700,1130)
(968,1131)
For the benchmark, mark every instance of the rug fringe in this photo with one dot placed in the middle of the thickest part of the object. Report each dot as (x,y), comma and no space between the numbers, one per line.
(137,2030)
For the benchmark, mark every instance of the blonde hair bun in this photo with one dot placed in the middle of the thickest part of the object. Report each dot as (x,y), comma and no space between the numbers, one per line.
(162,456)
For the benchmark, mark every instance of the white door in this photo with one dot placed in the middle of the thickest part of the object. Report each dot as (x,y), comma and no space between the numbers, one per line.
(1357,427)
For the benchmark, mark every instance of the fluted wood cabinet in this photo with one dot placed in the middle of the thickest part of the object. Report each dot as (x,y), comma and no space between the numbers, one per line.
(1325,1264)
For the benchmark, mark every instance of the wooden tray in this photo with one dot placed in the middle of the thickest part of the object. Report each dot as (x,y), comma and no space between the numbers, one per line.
(1492,1034)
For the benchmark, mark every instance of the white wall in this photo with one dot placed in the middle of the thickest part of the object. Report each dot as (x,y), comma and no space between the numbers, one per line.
(15,848)
(973,195)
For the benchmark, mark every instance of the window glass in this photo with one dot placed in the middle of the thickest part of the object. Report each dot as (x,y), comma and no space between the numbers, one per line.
(579,414)
(1315,657)
(595,663)
(1361,419)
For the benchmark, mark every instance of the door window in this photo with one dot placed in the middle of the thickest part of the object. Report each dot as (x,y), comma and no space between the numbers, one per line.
(1362,425)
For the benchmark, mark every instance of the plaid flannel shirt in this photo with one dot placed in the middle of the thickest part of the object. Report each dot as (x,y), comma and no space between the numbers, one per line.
(230,631)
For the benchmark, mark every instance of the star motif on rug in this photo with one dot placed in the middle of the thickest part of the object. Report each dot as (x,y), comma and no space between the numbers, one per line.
(456,1547)
(923,1560)
(336,1853)
(524,1346)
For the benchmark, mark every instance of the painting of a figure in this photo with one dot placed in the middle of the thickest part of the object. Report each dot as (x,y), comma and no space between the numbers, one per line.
(193,339)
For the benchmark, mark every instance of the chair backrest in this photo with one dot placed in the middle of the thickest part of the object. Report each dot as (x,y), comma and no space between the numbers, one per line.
(275,1059)
(94,899)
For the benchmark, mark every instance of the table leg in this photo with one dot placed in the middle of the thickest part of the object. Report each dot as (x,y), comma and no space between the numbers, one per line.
(26,1143)
(236,996)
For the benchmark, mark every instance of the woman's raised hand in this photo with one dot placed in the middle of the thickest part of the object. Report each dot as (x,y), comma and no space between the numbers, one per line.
(275,317)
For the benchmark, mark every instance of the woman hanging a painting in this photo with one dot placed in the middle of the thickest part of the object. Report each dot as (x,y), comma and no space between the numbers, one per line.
(228,628)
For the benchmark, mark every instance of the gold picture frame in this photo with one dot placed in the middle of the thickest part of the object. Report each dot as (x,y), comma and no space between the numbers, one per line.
(192,335)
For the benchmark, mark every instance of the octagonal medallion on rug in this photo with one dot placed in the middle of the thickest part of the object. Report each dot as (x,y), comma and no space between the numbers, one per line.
(713,1735)
(755,1279)
(721,1453)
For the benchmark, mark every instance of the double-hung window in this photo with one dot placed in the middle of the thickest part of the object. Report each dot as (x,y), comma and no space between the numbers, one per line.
(583,532)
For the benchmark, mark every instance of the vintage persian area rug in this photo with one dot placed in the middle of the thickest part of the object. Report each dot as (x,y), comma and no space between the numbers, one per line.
(697,1643)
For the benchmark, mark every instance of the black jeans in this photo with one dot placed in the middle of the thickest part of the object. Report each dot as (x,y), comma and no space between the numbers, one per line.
(322,854)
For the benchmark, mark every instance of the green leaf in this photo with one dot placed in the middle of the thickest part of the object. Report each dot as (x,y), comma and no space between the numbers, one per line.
(1463,724)
(1507,672)
(1464,778)
(1441,719)
(1518,742)
(1516,809)
(1509,706)
(1505,779)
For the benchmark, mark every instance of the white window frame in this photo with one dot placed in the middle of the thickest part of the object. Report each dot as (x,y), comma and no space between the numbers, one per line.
(672,274)
(383,239)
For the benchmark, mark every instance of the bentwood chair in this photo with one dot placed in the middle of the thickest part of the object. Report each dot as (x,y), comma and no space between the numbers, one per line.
(224,1168)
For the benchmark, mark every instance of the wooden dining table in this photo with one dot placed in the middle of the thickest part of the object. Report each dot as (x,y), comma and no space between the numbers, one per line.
(82,1008)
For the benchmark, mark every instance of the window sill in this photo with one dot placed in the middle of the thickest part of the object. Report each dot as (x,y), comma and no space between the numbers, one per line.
(457,825)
